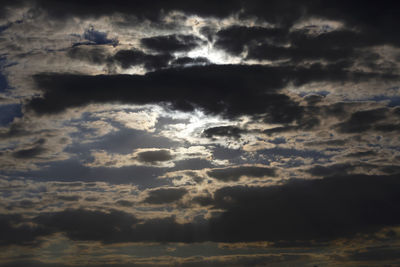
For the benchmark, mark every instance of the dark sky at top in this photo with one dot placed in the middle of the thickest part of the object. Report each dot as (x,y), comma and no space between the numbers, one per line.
(193,133)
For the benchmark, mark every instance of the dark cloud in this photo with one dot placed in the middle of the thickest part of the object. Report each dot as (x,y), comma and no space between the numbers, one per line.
(198,261)
(219,89)
(92,199)
(339,45)
(362,121)
(192,164)
(374,254)
(96,55)
(203,200)
(390,169)
(69,198)
(189,61)
(341,168)
(306,123)
(171,43)
(361,154)
(125,203)
(129,58)
(322,209)
(387,127)
(252,260)
(117,226)
(281,129)
(15,231)
(36,150)
(155,156)
(15,129)
(328,143)
(139,8)
(164,195)
(235,38)
(371,19)
(186,88)
(226,131)
(89,225)
(376,20)
(23,204)
(330,170)
(235,173)
(208,32)
(122,58)
(313,99)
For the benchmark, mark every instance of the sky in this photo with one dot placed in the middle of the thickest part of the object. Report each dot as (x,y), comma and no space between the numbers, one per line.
(199,133)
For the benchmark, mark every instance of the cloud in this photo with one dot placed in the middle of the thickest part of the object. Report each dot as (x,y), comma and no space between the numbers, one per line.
(129,58)
(89,225)
(235,173)
(142,9)
(98,37)
(361,154)
(94,37)
(234,38)
(361,121)
(69,198)
(322,209)
(150,157)
(374,254)
(116,227)
(15,231)
(91,54)
(123,58)
(29,152)
(171,43)
(225,131)
(154,156)
(188,61)
(133,100)
(217,89)
(164,195)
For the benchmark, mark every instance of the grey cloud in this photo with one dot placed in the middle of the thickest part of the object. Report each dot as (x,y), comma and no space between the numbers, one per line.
(164,195)
(128,58)
(15,231)
(154,156)
(171,43)
(339,168)
(125,203)
(227,131)
(188,61)
(235,173)
(228,90)
(68,198)
(34,151)
(321,210)
(361,121)
(97,55)
(361,154)
(122,58)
